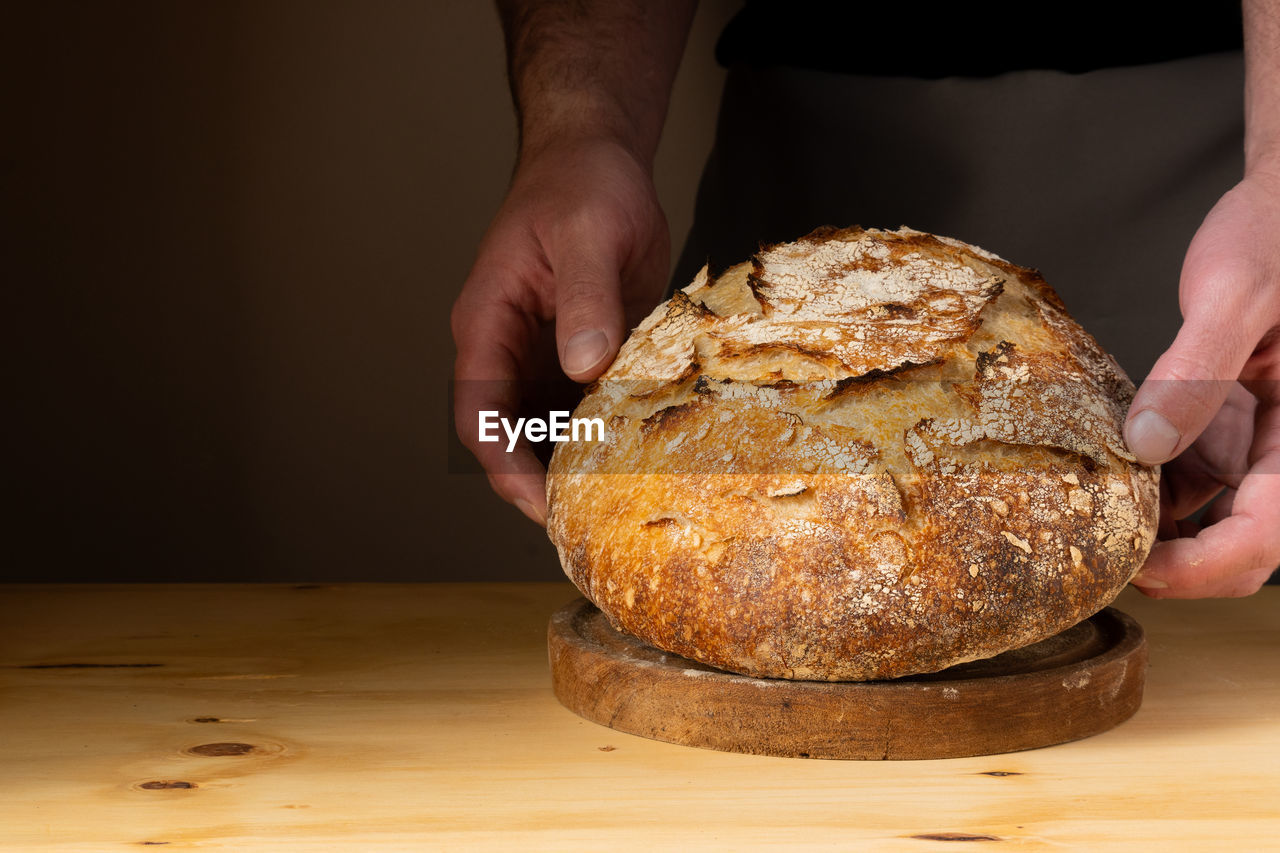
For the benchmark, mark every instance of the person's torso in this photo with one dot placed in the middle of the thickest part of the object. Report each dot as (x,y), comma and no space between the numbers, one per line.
(932,40)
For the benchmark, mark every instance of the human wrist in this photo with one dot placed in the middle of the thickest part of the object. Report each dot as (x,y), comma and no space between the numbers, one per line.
(1262,160)
(1261,88)
(585,128)
(572,120)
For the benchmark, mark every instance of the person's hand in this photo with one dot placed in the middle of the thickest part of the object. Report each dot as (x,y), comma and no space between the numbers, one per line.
(1212,405)
(581,240)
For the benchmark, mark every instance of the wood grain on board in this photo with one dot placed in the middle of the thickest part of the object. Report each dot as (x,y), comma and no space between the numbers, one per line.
(1078,683)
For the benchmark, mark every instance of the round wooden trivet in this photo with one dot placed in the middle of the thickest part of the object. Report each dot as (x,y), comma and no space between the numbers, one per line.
(1078,683)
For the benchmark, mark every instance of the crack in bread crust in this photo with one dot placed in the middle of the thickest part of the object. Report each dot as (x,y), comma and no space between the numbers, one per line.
(861,455)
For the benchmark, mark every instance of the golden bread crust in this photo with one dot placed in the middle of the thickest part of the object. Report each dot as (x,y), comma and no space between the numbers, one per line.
(862,455)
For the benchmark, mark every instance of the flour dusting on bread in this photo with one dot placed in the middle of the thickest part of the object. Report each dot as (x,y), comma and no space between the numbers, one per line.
(861,455)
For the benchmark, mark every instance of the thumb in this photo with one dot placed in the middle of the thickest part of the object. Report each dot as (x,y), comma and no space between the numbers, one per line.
(589,323)
(1187,386)
(1222,278)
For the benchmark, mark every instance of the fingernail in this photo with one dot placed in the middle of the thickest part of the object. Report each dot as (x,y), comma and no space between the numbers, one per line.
(584,350)
(1148,582)
(528,509)
(1150,437)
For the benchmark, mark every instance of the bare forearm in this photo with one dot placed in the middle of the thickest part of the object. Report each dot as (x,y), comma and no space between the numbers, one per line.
(578,67)
(1262,84)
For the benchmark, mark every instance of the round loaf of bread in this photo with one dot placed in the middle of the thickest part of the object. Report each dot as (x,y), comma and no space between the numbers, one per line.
(861,455)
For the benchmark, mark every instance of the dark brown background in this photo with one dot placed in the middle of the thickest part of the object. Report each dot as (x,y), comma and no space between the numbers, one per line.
(232,234)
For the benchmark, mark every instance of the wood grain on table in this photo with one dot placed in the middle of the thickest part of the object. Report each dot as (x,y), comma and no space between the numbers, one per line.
(420,717)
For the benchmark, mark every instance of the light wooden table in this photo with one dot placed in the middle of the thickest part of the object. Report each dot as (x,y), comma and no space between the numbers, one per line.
(420,717)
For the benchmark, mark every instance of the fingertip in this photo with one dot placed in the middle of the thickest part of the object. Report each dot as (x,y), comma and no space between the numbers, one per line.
(589,311)
(525,490)
(536,515)
(1151,437)
(1150,579)
(585,353)
(1147,582)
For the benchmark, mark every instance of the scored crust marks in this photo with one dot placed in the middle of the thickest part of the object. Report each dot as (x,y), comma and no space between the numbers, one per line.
(662,346)
(1015,557)
(861,455)
(829,309)
(1045,399)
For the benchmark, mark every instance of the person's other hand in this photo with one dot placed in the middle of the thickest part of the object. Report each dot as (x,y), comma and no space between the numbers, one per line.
(580,240)
(1212,405)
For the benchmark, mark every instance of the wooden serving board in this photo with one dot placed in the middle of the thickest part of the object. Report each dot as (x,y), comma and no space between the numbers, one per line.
(1081,682)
